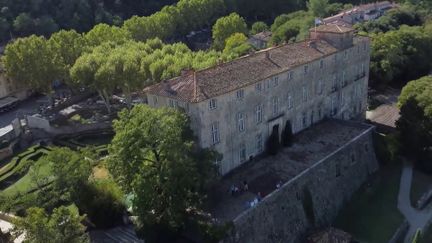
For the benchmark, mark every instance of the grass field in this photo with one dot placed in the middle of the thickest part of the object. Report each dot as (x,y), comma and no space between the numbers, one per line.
(421,184)
(372,215)
(25,183)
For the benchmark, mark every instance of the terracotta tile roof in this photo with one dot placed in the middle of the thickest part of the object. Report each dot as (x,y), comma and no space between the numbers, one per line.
(332,28)
(196,86)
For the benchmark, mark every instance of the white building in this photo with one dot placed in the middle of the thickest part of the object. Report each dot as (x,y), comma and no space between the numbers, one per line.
(235,106)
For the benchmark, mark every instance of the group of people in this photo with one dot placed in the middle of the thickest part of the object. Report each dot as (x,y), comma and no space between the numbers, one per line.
(235,189)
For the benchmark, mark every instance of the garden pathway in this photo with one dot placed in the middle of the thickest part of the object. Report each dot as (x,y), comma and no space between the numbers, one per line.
(417,219)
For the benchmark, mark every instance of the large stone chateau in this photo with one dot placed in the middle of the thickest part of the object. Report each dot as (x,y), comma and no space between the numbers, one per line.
(235,106)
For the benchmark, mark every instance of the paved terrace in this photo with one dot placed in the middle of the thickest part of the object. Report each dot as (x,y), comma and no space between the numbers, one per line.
(263,174)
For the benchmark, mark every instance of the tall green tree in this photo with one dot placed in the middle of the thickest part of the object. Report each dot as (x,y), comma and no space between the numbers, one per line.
(225,27)
(258,27)
(67,47)
(30,61)
(102,33)
(153,156)
(415,122)
(92,71)
(235,46)
(63,225)
(318,7)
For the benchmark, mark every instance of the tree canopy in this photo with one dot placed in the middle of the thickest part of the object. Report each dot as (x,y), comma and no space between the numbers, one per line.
(258,27)
(153,157)
(62,225)
(318,7)
(415,122)
(225,27)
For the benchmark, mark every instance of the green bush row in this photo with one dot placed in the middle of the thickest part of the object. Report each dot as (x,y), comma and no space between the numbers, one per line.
(14,161)
(22,161)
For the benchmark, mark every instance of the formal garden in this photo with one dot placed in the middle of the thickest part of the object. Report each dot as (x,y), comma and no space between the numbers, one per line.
(36,176)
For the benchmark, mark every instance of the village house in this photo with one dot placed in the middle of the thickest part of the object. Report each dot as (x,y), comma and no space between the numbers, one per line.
(235,106)
(364,12)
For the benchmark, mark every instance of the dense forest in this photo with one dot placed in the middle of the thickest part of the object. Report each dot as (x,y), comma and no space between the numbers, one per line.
(20,18)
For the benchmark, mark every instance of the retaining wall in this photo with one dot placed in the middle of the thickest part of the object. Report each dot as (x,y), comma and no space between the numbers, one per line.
(310,200)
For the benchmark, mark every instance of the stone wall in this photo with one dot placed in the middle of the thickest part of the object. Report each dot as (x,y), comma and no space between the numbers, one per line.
(312,199)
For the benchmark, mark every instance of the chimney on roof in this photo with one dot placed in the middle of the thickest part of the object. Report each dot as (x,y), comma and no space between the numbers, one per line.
(312,44)
(186,72)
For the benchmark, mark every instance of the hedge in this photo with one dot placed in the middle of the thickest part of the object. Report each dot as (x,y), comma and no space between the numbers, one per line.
(33,154)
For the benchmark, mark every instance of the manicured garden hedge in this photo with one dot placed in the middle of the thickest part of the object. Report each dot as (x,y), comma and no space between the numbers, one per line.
(33,153)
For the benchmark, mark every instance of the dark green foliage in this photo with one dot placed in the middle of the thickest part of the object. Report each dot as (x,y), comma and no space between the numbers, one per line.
(154,158)
(291,27)
(392,20)
(308,205)
(273,143)
(415,123)
(102,202)
(386,147)
(287,135)
(47,16)
(401,55)
(258,27)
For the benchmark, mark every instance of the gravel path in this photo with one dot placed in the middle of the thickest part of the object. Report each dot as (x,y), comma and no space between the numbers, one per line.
(417,219)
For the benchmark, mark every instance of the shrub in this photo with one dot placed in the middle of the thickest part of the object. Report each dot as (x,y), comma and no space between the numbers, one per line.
(287,135)
(273,143)
(102,202)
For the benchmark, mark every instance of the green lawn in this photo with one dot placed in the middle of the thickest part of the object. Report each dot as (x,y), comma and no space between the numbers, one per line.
(372,215)
(25,183)
(421,183)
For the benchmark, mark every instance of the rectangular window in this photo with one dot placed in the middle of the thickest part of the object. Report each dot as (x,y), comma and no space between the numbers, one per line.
(338,170)
(304,120)
(259,143)
(275,81)
(363,70)
(364,46)
(333,106)
(268,83)
(342,98)
(242,153)
(306,69)
(258,113)
(290,75)
(171,103)
(304,94)
(212,104)
(215,132)
(155,100)
(334,83)
(240,94)
(240,122)
(289,100)
(321,63)
(258,87)
(343,79)
(320,87)
(275,105)
(345,54)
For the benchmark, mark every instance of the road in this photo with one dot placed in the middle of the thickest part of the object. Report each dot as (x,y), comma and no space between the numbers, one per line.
(27,107)
(417,219)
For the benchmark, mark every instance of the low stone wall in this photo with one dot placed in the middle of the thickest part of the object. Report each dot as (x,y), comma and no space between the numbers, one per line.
(312,199)
(424,199)
(400,232)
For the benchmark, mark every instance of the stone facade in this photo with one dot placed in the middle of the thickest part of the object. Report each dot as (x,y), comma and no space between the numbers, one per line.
(312,199)
(237,123)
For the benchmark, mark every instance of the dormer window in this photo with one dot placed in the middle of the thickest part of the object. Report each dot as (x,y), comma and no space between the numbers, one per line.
(212,104)
(240,94)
